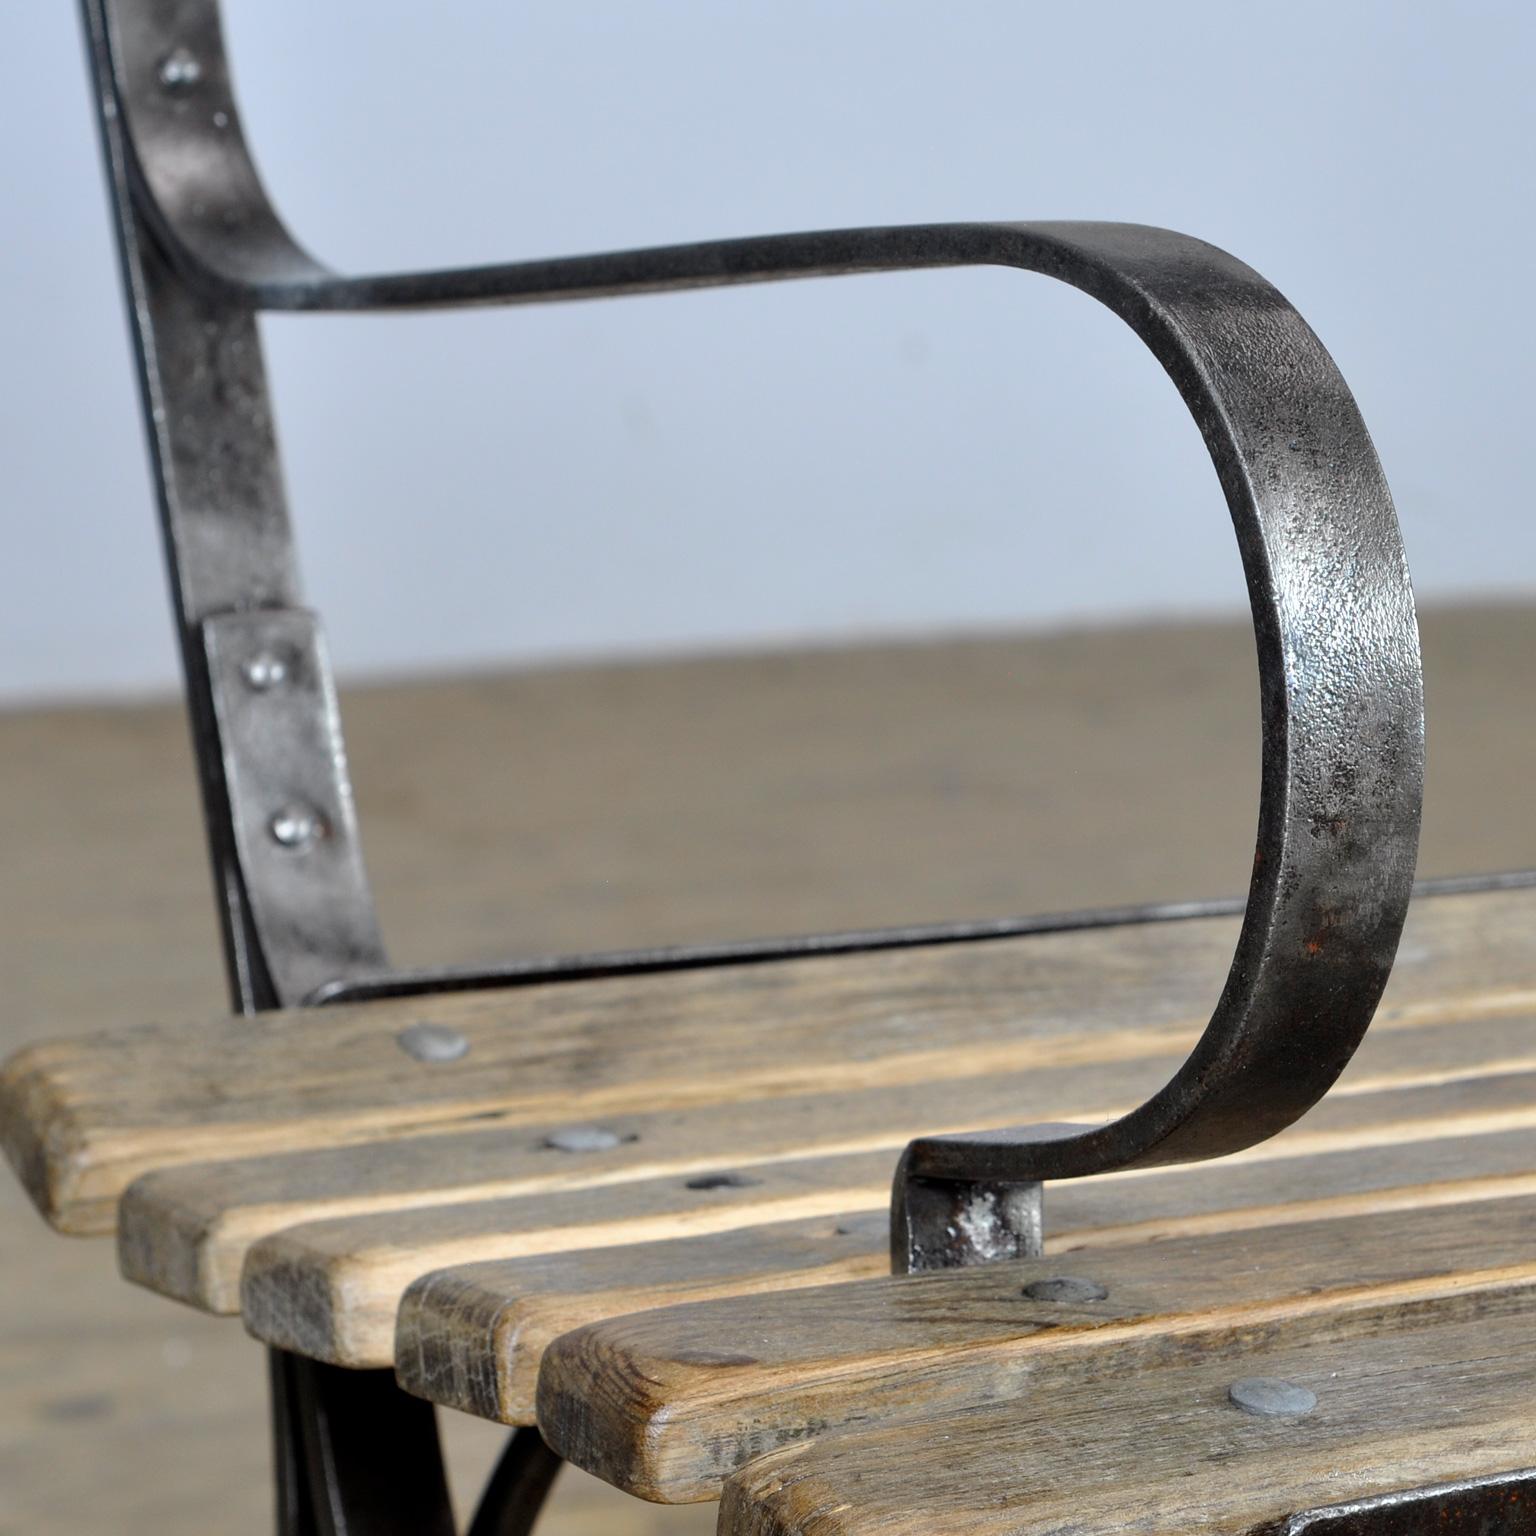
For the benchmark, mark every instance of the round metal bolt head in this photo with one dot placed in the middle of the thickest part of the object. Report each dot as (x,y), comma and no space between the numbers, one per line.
(180,70)
(264,671)
(297,826)
(1271,1398)
(582,1138)
(1065,1288)
(432,1042)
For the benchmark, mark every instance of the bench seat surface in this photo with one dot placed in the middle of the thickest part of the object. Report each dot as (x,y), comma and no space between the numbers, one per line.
(1405,1406)
(779,825)
(704,1281)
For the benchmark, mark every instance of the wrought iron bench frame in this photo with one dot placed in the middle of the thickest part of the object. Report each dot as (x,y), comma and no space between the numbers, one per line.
(204,253)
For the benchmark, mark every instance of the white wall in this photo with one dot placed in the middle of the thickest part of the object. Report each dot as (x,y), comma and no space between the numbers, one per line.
(866,455)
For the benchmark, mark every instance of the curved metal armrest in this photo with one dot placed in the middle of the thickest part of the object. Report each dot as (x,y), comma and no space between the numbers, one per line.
(1329,588)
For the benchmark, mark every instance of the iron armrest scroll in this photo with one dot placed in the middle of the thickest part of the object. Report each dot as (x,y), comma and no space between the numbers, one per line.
(1341,781)
(1340,683)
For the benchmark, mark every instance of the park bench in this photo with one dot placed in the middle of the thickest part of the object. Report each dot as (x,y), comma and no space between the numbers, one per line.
(734,1221)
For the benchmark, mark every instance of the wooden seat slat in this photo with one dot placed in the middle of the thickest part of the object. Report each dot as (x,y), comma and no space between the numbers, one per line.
(82,1118)
(480,1330)
(666,1404)
(185,1230)
(370,1210)
(472,1338)
(331,1289)
(1164,1452)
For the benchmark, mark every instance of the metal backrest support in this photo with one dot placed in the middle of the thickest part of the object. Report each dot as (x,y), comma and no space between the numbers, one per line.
(204,252)
(293,896)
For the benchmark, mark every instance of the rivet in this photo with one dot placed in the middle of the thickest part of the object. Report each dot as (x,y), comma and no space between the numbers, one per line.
(180,70)
(1271,1398)
(1065,1288)
(264,671)
(432,1042)
(582,1138)
(297,826)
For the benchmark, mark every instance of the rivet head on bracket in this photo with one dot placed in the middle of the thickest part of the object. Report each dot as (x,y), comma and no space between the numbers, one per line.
(432,1042)
(1066,1288)
(1272,1398)
(179,70)
(297,827)
(264,671)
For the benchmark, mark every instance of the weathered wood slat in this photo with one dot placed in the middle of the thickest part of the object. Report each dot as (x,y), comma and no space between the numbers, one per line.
(331,1289)
(779,824)
(80,1119)
(666,1404)
(471,1337)
(186,1230)
(1164,1452)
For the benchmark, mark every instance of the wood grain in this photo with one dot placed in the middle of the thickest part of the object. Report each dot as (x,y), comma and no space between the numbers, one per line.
(666,1404)
(81,1118)
(472,1338)
(1164,1452)
(331,1289)
(842,789)
(185,1230)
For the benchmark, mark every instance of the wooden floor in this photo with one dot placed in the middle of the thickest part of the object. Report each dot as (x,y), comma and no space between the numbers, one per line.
(613,806)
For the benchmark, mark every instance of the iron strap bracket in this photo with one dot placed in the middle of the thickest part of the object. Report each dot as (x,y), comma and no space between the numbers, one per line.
(292,819)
